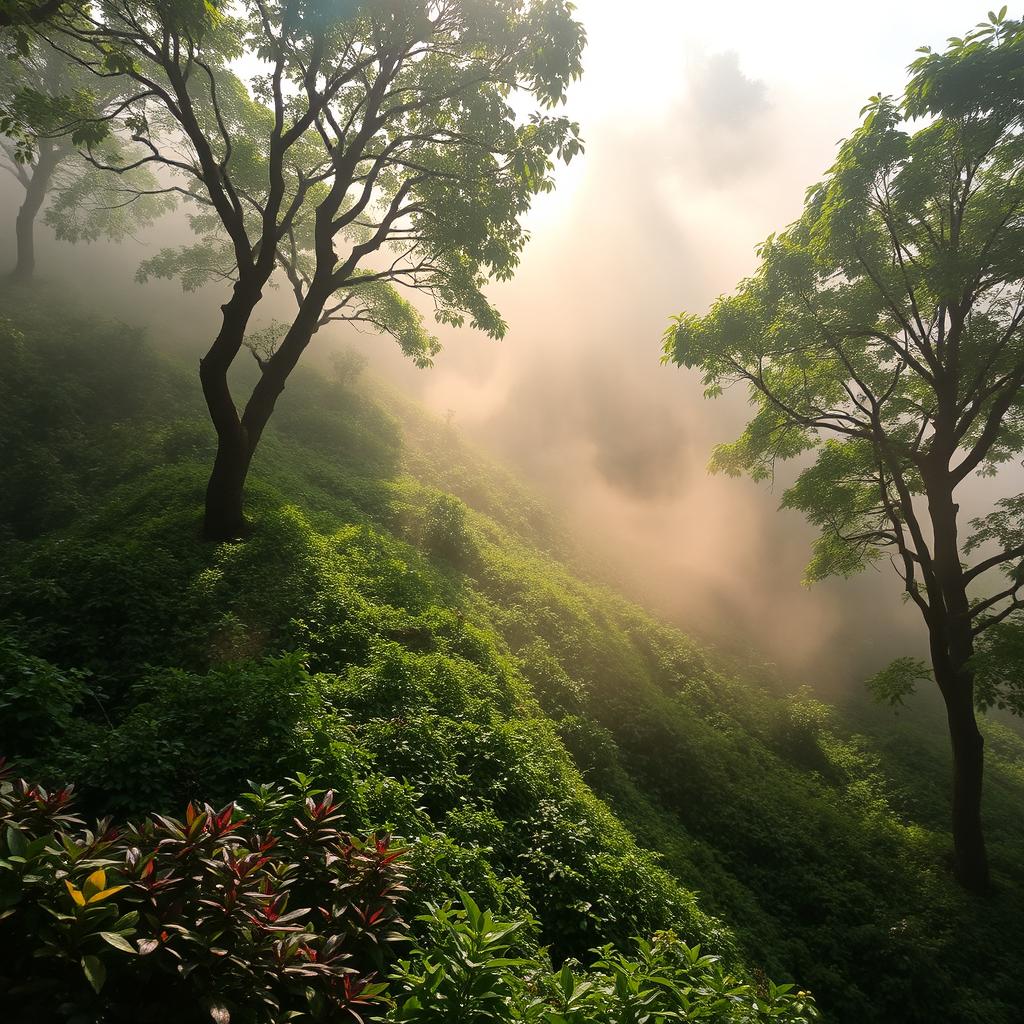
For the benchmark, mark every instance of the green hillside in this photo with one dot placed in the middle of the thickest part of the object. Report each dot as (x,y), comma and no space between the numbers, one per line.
(409,626)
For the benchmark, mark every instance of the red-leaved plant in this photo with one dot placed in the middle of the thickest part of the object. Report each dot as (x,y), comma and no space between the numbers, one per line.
(263,911)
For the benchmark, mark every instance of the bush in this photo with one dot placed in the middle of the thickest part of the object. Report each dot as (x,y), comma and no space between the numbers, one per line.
(260,912)
(445,534)
(37,699)
(473,969)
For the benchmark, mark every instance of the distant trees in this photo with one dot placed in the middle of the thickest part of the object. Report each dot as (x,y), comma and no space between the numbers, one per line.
(884,331)
(53,136)
(368,147)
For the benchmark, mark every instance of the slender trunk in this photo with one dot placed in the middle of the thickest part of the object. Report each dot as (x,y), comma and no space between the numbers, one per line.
(224,517)
(952,647)
(277,369)
(25,223)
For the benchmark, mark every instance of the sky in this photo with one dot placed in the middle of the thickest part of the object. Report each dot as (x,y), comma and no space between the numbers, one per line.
(704,125)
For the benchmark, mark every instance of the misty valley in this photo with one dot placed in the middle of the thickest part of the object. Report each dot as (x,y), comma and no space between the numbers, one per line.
(504,519)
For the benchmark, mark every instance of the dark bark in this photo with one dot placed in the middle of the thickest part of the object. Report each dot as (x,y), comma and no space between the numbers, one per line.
(952,647)
(970,857)
(224,517)
(35,194)
(238,437)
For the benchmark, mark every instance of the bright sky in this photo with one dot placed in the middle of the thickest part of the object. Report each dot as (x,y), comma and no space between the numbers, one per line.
(817,60)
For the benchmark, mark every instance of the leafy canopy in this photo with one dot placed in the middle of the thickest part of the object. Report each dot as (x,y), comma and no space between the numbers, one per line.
(353,148)
(883,330)
(55,138)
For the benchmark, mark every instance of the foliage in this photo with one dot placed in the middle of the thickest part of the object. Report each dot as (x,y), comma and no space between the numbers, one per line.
(56,142)
(261,911)
(469,970)
(37,699)
(898,680)
(347,366)
(367,150)
(530,732)
(445,533)
(883,329)
(883,332)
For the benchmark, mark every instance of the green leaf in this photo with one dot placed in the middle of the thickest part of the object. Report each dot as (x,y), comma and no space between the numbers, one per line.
(117,941)
(16,842)
(95,972)
(898,680)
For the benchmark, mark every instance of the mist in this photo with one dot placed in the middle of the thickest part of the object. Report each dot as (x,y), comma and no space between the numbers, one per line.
(698,145)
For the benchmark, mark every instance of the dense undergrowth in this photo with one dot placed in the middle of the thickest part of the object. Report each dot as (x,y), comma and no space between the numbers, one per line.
(405,625)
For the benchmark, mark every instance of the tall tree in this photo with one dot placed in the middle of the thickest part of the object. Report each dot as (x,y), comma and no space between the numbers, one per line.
(360,148)
(884,332)
(52,132)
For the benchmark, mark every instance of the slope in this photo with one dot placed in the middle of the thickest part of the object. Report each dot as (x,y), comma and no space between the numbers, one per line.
(410,624)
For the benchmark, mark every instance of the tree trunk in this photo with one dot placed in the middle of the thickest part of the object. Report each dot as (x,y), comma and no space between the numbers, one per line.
(237,437)
(24,225)
(970,858)
(224,517)
(952,647)
(279,366)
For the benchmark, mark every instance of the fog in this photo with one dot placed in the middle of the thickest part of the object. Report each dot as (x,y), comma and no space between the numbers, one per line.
(703,129)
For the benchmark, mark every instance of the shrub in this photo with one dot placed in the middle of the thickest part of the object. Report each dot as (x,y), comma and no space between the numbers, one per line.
(347,366)
(263,911)
(472,970)
(445,533)
(37,699)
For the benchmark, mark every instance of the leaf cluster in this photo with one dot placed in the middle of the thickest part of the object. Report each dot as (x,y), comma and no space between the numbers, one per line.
(259,911)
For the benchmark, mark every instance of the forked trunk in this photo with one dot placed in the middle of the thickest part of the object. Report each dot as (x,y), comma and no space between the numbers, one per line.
(238,437)
(224,518)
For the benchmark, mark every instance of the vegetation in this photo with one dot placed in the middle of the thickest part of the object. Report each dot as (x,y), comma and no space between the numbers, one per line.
(193,919)
(373,131)
(383,749)
(884,332)
(51,108)
(434,658)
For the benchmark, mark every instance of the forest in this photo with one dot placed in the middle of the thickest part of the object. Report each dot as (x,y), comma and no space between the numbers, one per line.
(404,608)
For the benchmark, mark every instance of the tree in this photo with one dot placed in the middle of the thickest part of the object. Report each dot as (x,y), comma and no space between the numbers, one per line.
(23,13)
(50,113)
(883,333)
(17,20)
(368,147)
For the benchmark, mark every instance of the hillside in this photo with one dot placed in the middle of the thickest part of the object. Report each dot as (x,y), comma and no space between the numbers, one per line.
(410,626)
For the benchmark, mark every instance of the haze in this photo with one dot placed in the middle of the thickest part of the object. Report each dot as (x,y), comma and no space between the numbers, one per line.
(701,139)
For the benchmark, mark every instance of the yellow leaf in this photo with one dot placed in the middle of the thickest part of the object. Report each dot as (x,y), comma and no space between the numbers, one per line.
(106,892)
(75,894)
(95,882)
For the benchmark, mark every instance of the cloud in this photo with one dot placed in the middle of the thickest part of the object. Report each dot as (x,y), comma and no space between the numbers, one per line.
(726,119)
(722,96)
